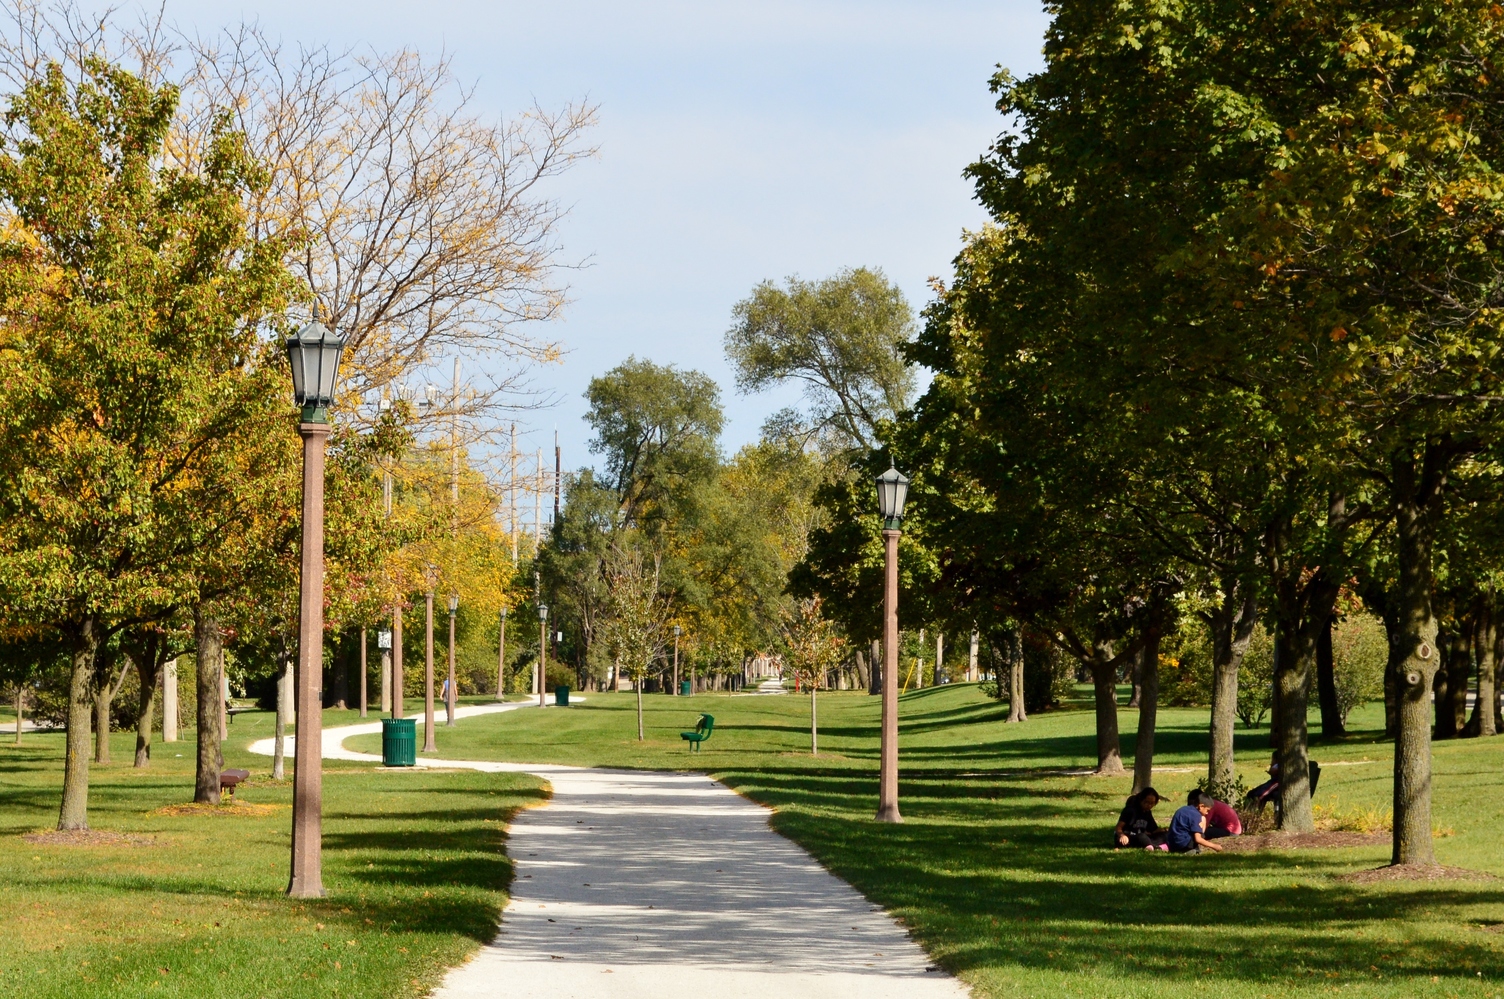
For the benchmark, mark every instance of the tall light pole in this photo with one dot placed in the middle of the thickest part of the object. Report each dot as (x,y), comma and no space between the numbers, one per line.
(501,658)
(676,660)
(314,354)
(542,649)
(454,605)
(892,493)
(428,743)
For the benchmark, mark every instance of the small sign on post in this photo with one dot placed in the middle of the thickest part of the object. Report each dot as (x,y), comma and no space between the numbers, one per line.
(383,639)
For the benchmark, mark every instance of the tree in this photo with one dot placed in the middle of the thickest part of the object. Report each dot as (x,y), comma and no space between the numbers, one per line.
(655,429)
(132,297)
(635,627)
(811,650)
(840,337)
(429,229)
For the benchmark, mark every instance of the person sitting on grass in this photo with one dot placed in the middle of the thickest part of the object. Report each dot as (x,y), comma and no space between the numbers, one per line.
(1255,800)
(1188,826)
(1136,824)
(1221,821)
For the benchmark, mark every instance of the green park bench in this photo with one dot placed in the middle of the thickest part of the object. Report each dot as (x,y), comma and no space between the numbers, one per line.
(703,728)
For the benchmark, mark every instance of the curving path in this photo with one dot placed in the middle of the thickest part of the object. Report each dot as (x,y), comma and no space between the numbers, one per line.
(642,885)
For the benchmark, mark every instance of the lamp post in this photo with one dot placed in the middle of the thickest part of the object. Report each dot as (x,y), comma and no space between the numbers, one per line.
(428,743)
(892,493)
(676,660)
(542,649)
(449,691)
(501,658)
(314,354)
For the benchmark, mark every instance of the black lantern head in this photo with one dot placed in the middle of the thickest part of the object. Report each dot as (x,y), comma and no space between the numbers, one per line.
(892,494)
(454,602)
(543,612)
(314,352)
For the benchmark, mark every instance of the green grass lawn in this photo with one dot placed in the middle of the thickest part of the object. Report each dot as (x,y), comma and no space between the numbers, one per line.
(1000,869)
(413,863)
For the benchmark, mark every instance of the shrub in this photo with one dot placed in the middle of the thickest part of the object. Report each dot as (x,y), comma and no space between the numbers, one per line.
(1360,654)
(1256,678)
(1185,664)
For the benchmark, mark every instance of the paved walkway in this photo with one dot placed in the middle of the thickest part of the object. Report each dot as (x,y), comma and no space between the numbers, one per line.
(638,885)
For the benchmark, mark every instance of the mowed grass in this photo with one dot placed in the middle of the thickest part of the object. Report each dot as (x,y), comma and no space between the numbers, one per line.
(1001,870)
(414,865)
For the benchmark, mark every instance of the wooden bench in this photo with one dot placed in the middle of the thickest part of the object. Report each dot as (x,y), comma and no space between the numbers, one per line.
(703,728)
(230,779)
(237,709)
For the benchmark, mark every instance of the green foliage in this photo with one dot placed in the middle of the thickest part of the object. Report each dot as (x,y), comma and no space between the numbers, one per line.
(150,442)
(1049,675)
(1360,655)
(839,337)
(1255,676)
(655,430)
(1230,789)
(1185,665)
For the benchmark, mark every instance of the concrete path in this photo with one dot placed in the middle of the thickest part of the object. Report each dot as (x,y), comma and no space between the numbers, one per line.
(638,885)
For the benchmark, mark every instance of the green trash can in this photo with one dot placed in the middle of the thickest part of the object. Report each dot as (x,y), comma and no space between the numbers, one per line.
(684,688)
(399,742)
(561,696)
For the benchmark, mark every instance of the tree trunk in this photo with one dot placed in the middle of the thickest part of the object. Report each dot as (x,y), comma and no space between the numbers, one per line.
(106,686)
(1392,670)
(148,670)
(170,701)
(1440,697)
(284,711)
(1414,526)
(863,674)
(971,660)
(814,732)
(74,813)
(1484,639)
(1148,712)
(20,709)
(1016,709)
(1498,679)
(875,674)
(1232,630)
(1137,690)
(1326,684)
(102,720)
(1292,679)
(1459,677)
(1104,676)
(211,664)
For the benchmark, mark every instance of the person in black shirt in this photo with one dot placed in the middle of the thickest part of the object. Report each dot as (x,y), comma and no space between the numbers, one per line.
(1136,824)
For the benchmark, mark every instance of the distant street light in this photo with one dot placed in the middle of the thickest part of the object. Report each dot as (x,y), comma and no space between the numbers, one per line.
(892,494)
(314,354)
(676,660)
(449,688)
(542,649)
(428,744)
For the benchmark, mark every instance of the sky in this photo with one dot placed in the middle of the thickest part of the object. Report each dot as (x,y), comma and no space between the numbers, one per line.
(738,143)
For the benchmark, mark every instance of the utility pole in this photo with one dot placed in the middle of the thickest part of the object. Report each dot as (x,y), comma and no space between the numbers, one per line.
(558,474)
(512,493)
